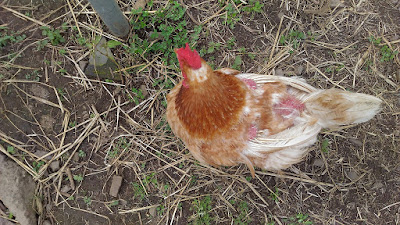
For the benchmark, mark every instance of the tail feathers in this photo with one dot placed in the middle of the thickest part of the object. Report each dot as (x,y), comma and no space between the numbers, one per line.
(335,107)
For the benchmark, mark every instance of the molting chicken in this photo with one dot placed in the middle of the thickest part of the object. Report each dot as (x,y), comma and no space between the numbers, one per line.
(225,117)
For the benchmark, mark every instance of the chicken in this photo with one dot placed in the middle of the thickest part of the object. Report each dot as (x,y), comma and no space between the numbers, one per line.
(225,117)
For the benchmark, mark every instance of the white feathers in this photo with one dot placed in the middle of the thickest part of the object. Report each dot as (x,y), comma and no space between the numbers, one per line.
(323,108)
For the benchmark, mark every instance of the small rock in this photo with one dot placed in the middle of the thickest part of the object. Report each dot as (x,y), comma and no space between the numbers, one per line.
(152,211)
(39,91)
(145,93)
(335,3)
(82,64)
(377,185)
(55,166)
(5,222)
(351,205)
(46,222)
(49,208)
(65,188)
(75,158)
(298,70)
(40,153)
(47,122)
(123,202)
(115,185)
(279,72)
(318,163)
(280,15)
(352,175)
(356,142)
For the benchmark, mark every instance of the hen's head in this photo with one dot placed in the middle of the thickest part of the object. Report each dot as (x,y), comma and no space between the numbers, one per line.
(194,69)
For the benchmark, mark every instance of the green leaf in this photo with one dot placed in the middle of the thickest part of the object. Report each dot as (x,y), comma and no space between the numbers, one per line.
(113,43)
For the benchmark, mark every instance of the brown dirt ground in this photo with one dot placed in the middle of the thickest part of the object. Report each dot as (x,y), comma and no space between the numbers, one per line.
(355,179)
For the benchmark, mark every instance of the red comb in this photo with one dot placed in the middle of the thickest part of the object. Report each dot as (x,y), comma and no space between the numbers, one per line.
(192,58)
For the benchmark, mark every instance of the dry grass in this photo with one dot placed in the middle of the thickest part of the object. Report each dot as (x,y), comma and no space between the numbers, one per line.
(352,175)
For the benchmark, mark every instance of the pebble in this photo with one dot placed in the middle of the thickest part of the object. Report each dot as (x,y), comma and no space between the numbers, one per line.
(75,158)
(55,166)
(352,175)
(298,70)
(40,153)
(145,93)
(279,72)
(356,142)
(46,222)
(377,185)
(152,211)
(318,163)
(115,185)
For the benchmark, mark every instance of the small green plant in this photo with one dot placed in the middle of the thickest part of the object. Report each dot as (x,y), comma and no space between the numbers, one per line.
(34,75)
(81,153)
(118,146)
(150,179)
(275,195)
(87,200)
(41,44)
(237,63)
(299,219)
(325,145)
(232,15)
(137,96)
(6,38)
(54,36)
(72,124)
(160,210)
(386,53)
(78,178)
(113,203)
(294,38)
(138,191)
(202,208)
(253,6)
(61,93)
(243,217)
(10,149)
(231,43)
(37,165)
(168,30)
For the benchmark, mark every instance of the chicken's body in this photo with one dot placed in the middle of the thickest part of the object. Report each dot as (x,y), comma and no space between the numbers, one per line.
(227,118)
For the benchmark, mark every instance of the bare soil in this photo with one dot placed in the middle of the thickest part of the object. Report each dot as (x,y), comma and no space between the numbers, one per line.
(93,130)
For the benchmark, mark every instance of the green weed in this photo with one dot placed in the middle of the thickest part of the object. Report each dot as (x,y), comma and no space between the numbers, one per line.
(386,53)
(275,195)
(54,36)
(137,96)
(168,30)
(9,38)
(202,208)
(78,178)
(325,145)
(37,165)
(81,153)
(118,147)
(299,219)
(34,75)
(294,38)
(243,217)
(10,149)
(87,200)
(138,191)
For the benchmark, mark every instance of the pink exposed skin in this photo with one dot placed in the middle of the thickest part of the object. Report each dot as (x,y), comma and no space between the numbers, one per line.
(251,83)
(252,132)
(288,105)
